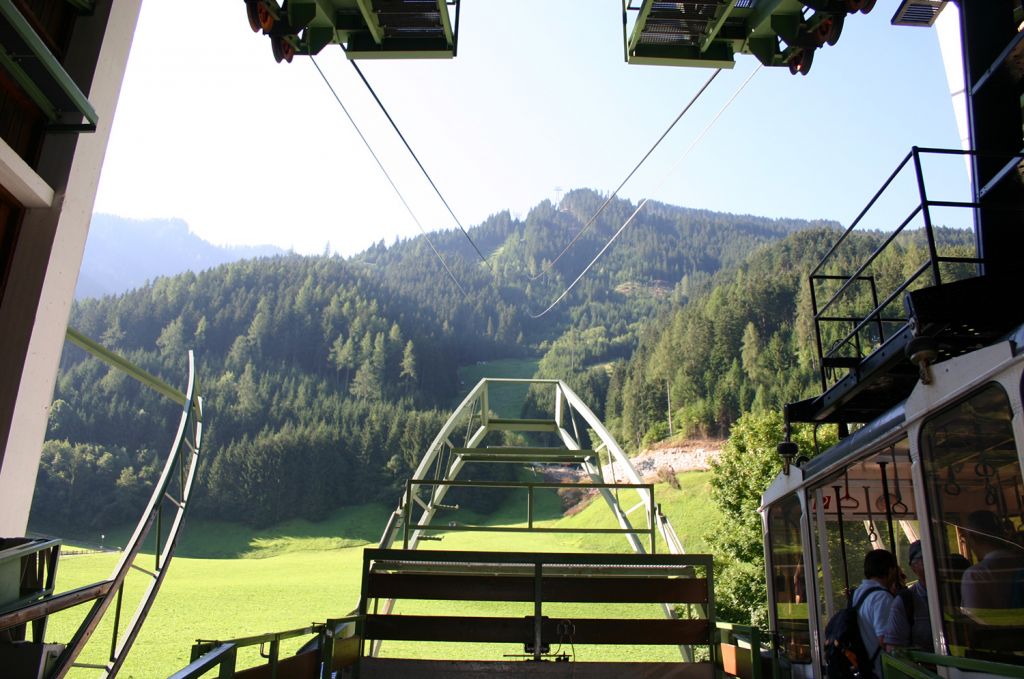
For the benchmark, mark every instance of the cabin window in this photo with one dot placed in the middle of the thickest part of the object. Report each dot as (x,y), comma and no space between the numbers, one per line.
(788,580)
(868,505)
(973,479)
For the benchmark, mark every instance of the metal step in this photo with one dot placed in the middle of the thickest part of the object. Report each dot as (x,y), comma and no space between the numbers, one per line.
(524,455)
(515,424)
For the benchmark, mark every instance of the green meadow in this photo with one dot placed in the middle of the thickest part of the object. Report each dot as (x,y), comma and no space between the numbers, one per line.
(228,581)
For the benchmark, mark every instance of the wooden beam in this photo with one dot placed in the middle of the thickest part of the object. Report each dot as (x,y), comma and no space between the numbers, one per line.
(520,588)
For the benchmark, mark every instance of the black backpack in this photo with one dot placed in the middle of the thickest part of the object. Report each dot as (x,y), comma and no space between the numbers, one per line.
(846,657)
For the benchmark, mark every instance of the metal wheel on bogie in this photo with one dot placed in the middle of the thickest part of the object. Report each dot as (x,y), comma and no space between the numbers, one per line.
(837,29)
(801,62)
(283,49)
(253,15)
(264,17)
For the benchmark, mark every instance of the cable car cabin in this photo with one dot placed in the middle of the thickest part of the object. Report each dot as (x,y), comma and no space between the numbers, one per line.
(944,467)
(367,29)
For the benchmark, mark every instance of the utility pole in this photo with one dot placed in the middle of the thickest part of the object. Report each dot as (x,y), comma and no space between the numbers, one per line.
(668,395)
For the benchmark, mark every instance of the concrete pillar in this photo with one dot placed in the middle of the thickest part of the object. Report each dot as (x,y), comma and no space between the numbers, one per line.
(40,287)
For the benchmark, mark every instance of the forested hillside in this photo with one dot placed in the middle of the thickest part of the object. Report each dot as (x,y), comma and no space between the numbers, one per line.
(746,342)
(325,378)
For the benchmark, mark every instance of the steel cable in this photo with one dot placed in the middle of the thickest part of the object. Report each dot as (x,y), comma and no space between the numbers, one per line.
(614,193)
(416,158)
(388,177)
(645,200)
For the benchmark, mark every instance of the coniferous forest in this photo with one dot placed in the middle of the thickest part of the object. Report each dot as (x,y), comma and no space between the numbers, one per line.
(325,378)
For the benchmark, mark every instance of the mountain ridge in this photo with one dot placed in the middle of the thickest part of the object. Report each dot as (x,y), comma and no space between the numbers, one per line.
(122,254)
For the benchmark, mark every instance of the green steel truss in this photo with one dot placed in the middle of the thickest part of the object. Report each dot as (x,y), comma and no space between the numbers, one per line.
(444,460)
(366,29)
(414,518)
(711,33)
(163,517)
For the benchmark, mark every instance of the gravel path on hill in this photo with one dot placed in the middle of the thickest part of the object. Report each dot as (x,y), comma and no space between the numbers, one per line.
(695,455)
(692,455)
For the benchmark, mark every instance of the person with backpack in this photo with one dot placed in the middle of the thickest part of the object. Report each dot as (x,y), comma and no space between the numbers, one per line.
(909,624)
(873,598)
(854,636)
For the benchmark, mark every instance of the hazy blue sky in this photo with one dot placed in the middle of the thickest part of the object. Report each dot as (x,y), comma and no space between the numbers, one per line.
(210,129)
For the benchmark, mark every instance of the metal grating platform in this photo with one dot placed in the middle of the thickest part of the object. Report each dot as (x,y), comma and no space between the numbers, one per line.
(410,18)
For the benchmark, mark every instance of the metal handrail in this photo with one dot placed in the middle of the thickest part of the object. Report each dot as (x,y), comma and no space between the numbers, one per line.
(729,630)
(932,263)
(208,654)
(126,366)
(875,314)
(859,274)
(222,656)
(181,464)
(410,525)
(967,664)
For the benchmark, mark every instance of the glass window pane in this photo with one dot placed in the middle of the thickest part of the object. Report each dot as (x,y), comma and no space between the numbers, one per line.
(973,479)
(788,579)
(850,516)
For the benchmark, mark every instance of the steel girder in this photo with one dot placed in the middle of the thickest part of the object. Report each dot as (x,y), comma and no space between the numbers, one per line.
(710,33)
(366,29)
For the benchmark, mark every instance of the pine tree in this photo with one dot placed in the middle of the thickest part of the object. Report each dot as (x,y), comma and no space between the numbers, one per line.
(409,362)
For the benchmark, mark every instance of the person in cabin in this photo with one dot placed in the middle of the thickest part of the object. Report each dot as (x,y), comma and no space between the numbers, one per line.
(909,625)
(874,596)
(997,579)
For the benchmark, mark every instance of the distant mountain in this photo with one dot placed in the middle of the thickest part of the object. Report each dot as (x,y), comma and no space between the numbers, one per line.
(122,254)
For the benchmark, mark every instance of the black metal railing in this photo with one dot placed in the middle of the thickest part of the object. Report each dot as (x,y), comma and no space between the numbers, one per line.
(857,312)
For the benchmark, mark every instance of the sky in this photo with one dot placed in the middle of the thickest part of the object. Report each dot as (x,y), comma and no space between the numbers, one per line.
(209,129)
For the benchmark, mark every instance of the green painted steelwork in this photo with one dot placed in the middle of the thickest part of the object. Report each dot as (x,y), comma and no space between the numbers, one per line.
(524,455)
(168,497)
(207,655)
(367,29)
(900,667)
(126,366)
(473,421)
(475,418)
(438,471)
(710,34)
(651,529)
(965,664)
(37,71)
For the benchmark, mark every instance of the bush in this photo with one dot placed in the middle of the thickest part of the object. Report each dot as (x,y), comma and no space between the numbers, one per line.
(667,475)
(657,432)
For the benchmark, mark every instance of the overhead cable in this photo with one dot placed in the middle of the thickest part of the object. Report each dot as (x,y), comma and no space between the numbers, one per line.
(614,193)
(645,200)
(414,157)
(388,177)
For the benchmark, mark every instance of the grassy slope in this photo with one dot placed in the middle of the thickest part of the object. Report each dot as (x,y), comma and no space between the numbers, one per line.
(311,571)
